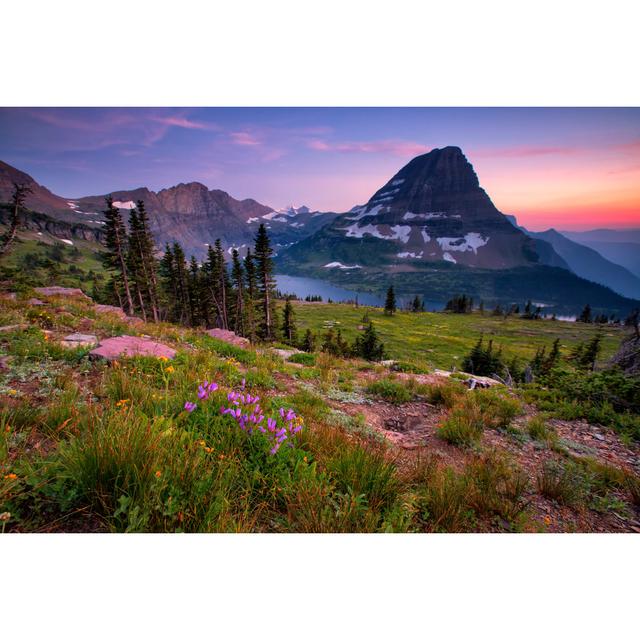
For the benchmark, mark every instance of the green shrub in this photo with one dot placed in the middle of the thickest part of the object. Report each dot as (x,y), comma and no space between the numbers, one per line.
(307,359)
(390,390)
(446,394)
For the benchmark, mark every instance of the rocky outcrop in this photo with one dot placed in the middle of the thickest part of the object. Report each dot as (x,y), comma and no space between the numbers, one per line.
(129,346)
(228,336)
(61,291)
(628,356)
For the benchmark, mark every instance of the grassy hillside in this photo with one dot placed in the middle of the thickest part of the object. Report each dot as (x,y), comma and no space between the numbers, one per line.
(90,446)
(39,259)
(443,339)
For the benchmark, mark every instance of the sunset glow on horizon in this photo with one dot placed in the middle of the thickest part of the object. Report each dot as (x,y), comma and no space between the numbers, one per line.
(550,167)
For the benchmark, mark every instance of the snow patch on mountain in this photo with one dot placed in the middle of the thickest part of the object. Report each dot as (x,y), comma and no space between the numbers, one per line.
(448,257)
(424,216)
(470,242)
(409,254)
(398,232)
(129,204)
(425,236)
(339,265)
(250,220)
(362,211)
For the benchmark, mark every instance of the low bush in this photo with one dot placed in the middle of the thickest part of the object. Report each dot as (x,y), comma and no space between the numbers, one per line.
(390,390)
(464,424)
(564,482)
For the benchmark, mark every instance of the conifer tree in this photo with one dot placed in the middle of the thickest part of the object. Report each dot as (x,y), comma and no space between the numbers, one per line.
(585,315)
(134,264)
(182,284)
(237,278)
(289,330)
(390,302)
(265,280)
(146,248)
(416,305)
(369,346)
(116,244)
(195,301)
(308,342)
(252,292)
(219,285)
(18,198)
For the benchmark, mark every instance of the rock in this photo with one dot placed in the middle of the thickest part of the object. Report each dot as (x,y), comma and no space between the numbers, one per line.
(387,363)
(61,291)
(228,336)
(107,308)
(285,354)
(34,302)
(79,340)
(480,381)
(12,327)
(9,296)
(598,436)
(127,346)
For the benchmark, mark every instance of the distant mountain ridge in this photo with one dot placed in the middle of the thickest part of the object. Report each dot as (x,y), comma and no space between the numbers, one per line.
(189,213)
(585,261)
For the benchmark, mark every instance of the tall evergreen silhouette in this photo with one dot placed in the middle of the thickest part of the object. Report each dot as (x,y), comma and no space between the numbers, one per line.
(265,281)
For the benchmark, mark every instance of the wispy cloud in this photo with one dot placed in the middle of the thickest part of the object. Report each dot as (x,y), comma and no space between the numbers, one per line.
(396,147)
(185,123)
(245,139)
(523,151)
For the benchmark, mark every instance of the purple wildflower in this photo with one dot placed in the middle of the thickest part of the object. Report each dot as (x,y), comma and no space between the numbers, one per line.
(190,406)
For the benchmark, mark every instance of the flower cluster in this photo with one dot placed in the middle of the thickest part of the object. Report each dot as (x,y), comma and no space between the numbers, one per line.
(245,409)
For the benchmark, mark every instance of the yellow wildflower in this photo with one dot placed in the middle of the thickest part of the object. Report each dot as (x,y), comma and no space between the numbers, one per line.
(122,403)
(10,476)
(221,456)
(208,449)
(163,358)
(169,369)
(158,474)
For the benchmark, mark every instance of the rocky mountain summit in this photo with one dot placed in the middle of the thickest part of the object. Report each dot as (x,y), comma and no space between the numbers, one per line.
(432,210)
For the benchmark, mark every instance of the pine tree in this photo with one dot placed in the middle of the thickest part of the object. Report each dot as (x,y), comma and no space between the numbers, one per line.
(116,244)
(289,330)
(146,248)
(182,284)
(308,342)
(237,278)
(266,283)
(390,302)
(218,283)
(369,346)
(18,198)
(585,315)
(252,291)
(416,305)
(134,263)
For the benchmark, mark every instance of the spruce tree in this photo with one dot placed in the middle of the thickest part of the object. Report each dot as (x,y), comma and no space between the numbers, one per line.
(308,342)
(116,244)
(18,198)
(266,282)
(182,284)
(369,346)
(252,293)
(148,264)
(134,264)
(237,278)
(195,293)
(390,302)
(289,330)
(585,315)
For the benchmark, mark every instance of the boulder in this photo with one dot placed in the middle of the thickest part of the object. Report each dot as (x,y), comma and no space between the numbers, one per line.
(285,354)
(79,340)
(228,336)
(107,308)
(61,291)
(127,346)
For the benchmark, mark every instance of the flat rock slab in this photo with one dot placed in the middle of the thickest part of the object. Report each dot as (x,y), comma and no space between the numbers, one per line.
(34,302)
(107,308)
(480,381)
(79,340)
(61,291)
(127,346)
(13,327)
(228,336)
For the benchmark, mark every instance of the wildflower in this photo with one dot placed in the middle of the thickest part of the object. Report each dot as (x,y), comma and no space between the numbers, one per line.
(305,459)
(12,392)
(158,474)
(122,403)
(169,369)
(163,358)
(547,520)
(190,406)
(202,443)
(10,476)
(208,449)
(4,517)
(221,456)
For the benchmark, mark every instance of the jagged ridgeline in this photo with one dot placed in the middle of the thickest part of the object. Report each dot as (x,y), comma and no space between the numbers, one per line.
(432,230)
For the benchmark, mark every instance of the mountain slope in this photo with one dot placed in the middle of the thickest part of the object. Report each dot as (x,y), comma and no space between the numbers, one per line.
(432,230)
(40,199)
(187,213)
(588,263)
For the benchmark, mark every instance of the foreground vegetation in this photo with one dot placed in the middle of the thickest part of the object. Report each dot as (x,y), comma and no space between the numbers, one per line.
(89,446)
